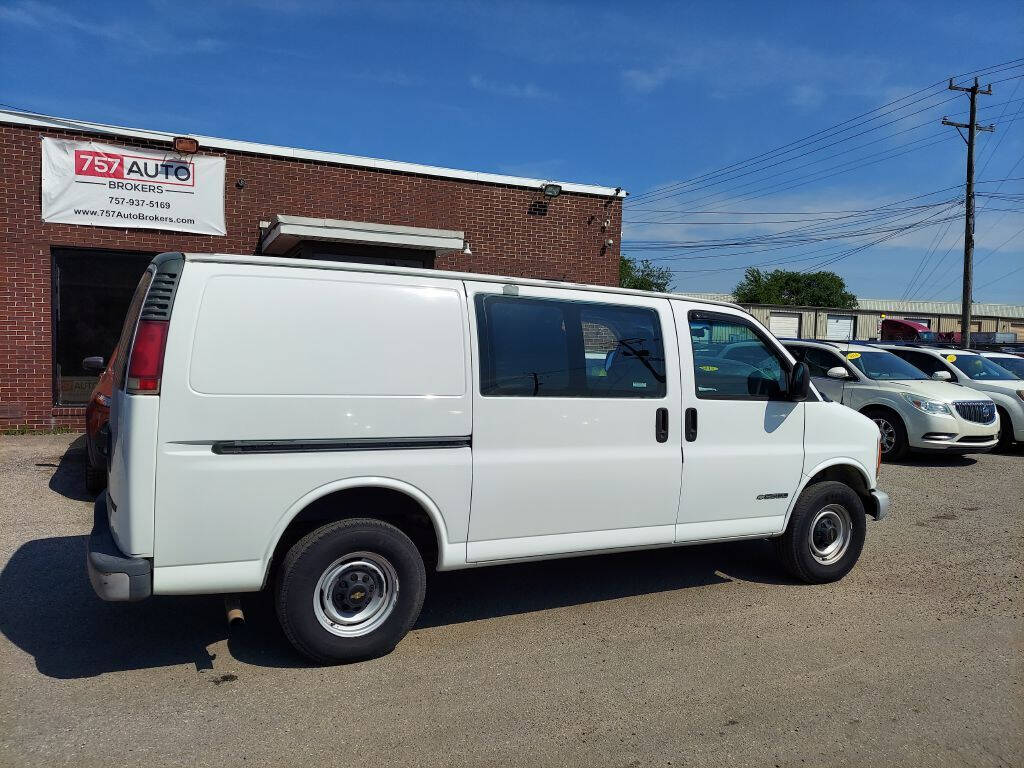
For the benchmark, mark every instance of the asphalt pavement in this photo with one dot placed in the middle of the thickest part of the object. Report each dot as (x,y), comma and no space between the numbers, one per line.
(697,656)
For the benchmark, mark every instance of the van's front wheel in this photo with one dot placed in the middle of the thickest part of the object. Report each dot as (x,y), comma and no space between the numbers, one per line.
(350,590)
(825,533)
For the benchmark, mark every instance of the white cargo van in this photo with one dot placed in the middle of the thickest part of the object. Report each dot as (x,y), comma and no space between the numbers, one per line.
(331,431)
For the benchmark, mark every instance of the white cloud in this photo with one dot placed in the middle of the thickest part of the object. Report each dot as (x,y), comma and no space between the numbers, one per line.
(727,68)
(647,80)
(806,96)
(50,18)
(511,90)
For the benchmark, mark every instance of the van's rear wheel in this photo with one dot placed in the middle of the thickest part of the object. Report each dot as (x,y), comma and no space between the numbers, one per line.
(350,590)
(825,533)
(95,478)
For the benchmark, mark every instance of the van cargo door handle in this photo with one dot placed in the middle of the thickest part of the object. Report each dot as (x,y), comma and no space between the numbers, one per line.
(661,425)
(691,424)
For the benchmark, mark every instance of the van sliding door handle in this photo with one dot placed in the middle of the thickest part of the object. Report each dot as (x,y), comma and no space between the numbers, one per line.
(691,424)
(661,425)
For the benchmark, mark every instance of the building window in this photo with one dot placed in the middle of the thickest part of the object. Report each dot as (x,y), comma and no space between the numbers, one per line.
(549,348)
(91,294)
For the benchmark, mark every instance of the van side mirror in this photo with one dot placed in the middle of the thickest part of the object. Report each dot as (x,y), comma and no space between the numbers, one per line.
(838,373)
(96,364)
(942,376)
(799,382)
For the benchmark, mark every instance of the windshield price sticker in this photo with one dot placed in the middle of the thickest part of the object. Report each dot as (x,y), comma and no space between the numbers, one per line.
(852,355)
(951,358)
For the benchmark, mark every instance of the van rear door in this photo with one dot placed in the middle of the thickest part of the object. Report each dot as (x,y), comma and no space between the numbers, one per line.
(135,407)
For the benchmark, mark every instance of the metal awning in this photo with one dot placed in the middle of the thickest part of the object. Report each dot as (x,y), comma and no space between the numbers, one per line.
(284,232)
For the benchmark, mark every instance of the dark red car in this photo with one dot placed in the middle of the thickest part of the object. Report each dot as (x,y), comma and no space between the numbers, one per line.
(97,416)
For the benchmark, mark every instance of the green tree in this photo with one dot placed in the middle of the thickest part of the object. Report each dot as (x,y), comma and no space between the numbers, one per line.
(643,276)
(782,287)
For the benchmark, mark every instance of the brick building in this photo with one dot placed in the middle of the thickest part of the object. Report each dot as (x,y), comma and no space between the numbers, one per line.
(64,287)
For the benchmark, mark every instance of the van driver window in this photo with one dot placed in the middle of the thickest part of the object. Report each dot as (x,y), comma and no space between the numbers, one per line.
(730,361)
(550,348)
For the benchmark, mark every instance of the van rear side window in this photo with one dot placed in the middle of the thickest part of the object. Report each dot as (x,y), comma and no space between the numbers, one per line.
(316,336)
(549,348)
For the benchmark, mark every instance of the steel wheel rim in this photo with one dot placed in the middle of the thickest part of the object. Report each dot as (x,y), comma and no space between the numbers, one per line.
(356,594)
(830,534)
(888,433)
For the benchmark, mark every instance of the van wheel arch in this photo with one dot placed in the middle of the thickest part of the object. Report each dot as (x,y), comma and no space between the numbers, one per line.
(848,475)
(387,504)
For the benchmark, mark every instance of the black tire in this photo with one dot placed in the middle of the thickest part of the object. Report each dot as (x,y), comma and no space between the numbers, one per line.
(795,547)
(95,478)
(1005,435)
(901,445)
(321,551)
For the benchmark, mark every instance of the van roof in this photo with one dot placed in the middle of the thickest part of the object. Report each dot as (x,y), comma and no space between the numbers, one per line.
(344,266)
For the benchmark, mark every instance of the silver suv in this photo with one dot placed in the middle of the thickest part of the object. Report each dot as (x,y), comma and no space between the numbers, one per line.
(912,411)
(977,372)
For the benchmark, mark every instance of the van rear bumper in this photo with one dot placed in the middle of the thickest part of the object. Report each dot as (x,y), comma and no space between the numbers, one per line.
(113,575)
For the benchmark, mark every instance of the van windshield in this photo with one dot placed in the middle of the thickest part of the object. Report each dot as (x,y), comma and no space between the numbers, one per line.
(979,368)
(883,366)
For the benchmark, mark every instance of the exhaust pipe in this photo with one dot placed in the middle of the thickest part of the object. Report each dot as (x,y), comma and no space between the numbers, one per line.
(233,609)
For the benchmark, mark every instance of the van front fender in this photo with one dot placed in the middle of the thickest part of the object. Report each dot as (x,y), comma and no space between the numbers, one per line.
(838,466)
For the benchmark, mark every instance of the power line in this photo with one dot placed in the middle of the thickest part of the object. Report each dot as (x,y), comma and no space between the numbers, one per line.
(957,241)
(1002,277)
(680,191)
(1002,66)
(987,255)
(846,167)
(813,232)
(817,254)
(764,168)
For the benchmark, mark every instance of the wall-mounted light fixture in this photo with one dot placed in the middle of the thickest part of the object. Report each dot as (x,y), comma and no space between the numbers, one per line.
(466,251)
(186,145)
(551,190)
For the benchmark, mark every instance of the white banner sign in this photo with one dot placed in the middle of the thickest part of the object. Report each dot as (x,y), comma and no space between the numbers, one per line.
(105,186)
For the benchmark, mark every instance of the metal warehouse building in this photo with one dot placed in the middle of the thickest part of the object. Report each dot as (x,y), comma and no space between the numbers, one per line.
(864,322)
(85,206)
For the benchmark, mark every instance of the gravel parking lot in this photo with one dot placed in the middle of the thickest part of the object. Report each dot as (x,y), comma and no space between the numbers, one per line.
(697,656)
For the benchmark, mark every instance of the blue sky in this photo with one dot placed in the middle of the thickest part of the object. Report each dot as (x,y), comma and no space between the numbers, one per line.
(640,95)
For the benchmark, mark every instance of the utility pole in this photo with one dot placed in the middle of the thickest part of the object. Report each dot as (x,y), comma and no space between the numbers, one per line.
(972,127)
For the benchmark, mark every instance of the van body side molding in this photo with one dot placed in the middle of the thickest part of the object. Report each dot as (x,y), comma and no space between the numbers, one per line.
(330,444)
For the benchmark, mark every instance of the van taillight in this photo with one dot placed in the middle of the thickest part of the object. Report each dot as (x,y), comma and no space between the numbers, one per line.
(147,360)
